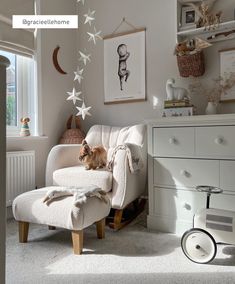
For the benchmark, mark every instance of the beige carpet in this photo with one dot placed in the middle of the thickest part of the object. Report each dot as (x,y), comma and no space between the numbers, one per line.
(132,255)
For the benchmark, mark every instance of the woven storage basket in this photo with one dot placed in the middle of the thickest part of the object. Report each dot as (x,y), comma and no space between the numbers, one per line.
(72,135)
(191,65)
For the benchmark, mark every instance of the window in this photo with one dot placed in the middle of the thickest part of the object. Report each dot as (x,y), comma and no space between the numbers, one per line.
(20,95)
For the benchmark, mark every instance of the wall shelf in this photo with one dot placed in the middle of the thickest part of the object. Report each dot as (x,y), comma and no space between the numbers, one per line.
(225,30)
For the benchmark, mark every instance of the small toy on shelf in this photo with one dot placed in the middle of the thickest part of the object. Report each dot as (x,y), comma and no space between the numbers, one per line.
(208,20)
(175,93)
(177,102)
(184,48)
(24,131)
(190,47)
(207,17)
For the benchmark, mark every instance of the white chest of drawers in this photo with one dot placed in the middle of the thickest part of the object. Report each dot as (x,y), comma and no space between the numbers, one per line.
(185,152)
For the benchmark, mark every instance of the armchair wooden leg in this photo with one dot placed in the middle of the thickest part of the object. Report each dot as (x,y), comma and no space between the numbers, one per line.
(77,238)
(100,229)
(51,228)
(117,221)
(23,232)
(131,212)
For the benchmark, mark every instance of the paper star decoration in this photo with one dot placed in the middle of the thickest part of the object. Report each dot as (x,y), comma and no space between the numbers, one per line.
(84,57)
(74,96)
(83,111)
(83,1)
(94,36)
(78,75)
(89,17)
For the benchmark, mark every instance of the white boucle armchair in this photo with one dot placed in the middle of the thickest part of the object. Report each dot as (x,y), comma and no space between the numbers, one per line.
(122,185)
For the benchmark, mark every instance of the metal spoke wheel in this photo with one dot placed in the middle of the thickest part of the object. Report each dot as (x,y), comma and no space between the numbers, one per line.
(198,245)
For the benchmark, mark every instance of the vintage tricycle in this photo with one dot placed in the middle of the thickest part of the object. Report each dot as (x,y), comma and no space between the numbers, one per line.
(210,227)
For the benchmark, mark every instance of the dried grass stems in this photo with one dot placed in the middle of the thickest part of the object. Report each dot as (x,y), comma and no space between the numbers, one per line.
(220,86)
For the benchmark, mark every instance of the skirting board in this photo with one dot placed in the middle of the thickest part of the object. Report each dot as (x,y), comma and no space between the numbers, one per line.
(168,225)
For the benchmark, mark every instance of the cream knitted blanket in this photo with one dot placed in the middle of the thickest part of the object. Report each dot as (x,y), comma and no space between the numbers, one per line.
(81,194)
(133,155)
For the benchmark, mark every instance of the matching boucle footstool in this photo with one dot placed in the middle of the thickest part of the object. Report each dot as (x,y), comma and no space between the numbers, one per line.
(30,208)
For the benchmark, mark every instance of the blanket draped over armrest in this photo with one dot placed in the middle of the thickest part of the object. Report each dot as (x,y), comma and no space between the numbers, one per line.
(133,155)
(80,193)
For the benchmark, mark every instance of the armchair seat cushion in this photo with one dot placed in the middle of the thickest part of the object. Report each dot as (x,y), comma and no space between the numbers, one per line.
(79,176)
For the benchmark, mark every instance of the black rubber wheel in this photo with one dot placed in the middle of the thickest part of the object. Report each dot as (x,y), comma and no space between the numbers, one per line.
(198,245)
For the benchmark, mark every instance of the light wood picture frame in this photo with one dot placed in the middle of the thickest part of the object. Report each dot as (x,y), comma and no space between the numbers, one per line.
(227,66)
(189,17)
(124,67)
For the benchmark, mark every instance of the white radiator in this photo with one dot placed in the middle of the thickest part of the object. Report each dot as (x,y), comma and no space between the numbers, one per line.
(20,174)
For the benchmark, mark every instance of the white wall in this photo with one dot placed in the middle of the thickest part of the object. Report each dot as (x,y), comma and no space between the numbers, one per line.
(159,17)
(55,108)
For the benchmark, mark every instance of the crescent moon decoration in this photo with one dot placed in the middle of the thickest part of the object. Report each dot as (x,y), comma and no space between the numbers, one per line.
(84,59)
(55,61)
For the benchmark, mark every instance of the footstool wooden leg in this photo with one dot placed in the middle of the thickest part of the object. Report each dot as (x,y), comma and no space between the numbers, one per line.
(77,238)
(23,232)
(52,228)
(100,229)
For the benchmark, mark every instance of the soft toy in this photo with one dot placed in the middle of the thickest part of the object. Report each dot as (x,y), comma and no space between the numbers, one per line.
(175,93)
(184,47)
(72,135)
(24,131)
(80,194)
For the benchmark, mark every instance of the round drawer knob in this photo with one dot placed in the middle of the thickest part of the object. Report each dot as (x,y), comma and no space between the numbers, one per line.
(185,173)
(219,140)
(173,140)
(186,206)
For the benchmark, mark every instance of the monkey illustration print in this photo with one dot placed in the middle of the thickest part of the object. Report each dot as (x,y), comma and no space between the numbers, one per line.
(123,73)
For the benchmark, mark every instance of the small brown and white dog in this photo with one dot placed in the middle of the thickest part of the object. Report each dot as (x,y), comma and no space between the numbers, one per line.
(92,157)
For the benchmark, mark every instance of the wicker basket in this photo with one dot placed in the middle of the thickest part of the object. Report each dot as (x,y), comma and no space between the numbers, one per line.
(72,135)
(191,65)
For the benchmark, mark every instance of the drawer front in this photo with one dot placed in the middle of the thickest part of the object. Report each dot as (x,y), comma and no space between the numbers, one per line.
(215,141)
(227,176)
(173,142)
(177,204)
(181,173)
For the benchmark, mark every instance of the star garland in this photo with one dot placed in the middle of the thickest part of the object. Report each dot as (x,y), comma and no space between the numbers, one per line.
(94,36)
(84,58)
(78,75)
(74,96)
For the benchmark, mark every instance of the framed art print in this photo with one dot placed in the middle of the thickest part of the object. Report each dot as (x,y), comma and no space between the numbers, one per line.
(189,18)
(124,67)
(227,73)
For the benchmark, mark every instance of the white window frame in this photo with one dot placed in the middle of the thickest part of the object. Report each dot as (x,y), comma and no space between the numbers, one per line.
(26,96)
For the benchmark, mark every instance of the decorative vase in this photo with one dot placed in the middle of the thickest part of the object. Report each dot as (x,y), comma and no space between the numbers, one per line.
(211,108)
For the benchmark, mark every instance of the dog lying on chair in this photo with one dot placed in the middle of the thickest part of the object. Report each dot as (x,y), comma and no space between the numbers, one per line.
(92,157)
